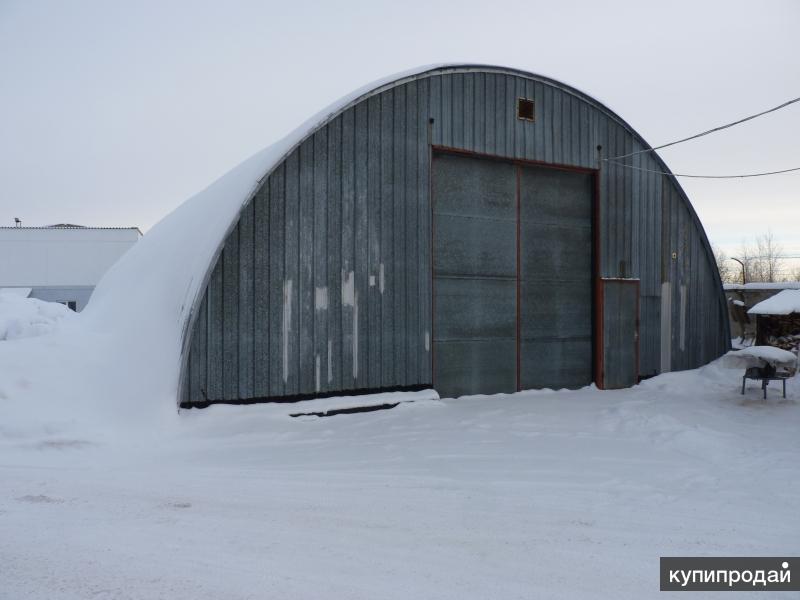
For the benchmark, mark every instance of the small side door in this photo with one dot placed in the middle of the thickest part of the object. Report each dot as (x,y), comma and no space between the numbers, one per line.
(619,313)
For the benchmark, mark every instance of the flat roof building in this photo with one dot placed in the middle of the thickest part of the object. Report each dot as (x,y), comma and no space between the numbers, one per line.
(61,263)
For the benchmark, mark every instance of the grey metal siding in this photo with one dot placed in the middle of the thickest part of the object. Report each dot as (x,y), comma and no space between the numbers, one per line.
(325,285)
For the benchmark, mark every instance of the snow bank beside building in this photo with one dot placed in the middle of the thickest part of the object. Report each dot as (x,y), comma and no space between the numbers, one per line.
(22,317)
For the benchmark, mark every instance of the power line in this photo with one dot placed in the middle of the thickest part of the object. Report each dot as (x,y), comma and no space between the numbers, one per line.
(781,257)
(619,164)
(698,135)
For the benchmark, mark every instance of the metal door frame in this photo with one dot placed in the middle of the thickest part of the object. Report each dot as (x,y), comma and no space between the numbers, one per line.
(596,317)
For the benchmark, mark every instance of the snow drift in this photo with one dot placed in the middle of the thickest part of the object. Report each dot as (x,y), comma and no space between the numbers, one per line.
(22,317)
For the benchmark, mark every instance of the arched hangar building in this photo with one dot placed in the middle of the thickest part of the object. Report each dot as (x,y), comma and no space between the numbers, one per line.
(456,228)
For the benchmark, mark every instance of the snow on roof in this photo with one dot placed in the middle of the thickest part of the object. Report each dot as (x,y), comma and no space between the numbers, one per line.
(779,285)
(147,296)
(782,303)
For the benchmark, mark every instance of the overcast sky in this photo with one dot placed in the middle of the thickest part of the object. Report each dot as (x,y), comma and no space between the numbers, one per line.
(113,113)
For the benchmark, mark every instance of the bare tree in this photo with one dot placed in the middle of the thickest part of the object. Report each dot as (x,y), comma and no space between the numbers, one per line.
(763,260)
(726,274)
(771,256)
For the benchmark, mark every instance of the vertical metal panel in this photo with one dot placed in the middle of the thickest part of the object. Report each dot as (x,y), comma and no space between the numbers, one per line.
(198,381)
(396,271)
(554,117)
(574,132)
(628,223)
(510,115)
(608,201)
(290,313)
(500,110)
(374,224)
(230,316)
(247,274)
(349,343)
(469,120)
(414,124)
(480,113)
(566,129)
(332,369)
(649,342)
(456,110)
(549,120)
(447,110)
(529,149)
(522,129)
(634,201)
(281,247)
(696,345)
(489,112)
(305,283)
(214,370)
(541,124)
(584,141)
(424,220)
(675,279)
(361,341)
(622,263)
(435,108)
(656,219)
(320,262)
(262,296)
(384,274)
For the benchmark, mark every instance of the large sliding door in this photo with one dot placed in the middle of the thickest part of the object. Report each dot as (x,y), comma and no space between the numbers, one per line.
(555,278)
(474,276)
(512,276)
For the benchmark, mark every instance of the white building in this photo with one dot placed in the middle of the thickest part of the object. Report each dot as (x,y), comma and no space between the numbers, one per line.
(61,263)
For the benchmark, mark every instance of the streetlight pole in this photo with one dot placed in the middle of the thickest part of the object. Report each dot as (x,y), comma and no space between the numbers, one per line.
(744,272)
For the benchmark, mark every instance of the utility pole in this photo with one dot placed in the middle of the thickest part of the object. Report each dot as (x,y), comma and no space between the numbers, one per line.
(744,271)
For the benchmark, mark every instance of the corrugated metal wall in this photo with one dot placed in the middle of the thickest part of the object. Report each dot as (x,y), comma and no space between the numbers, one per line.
(324,283)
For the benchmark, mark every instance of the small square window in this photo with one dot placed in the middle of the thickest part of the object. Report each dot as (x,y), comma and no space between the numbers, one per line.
(525,109)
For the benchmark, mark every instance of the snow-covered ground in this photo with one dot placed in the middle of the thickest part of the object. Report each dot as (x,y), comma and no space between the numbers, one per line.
(571,494)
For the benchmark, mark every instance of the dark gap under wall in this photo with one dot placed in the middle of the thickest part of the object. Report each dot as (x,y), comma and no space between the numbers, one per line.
(300,397)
